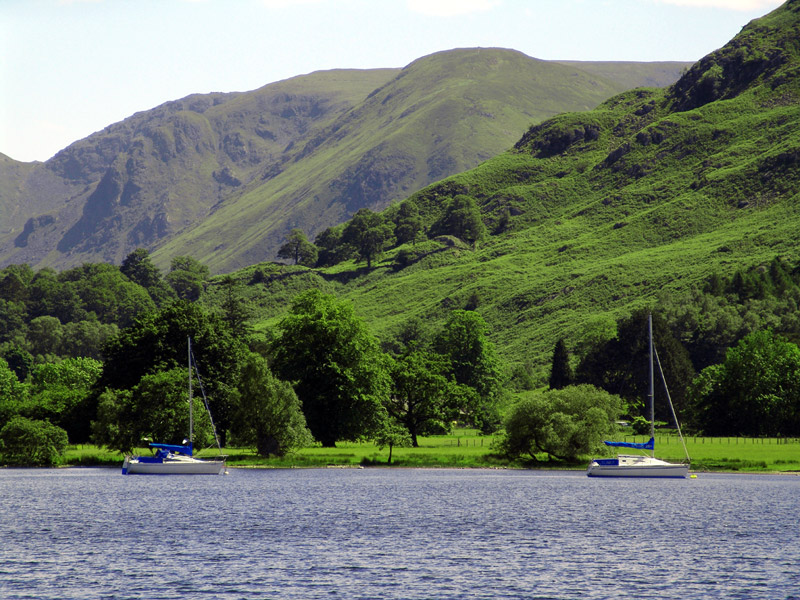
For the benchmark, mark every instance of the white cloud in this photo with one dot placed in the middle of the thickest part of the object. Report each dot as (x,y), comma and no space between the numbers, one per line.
(737,5)
(450,8)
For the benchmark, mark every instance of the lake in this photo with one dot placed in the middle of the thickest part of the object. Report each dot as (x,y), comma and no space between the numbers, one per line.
(396,533)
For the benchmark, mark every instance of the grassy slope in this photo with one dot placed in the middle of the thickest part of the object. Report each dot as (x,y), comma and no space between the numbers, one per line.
(424,124)
(652,204)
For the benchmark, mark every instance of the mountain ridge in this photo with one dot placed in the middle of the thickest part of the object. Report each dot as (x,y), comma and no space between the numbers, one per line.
(152,178)
(602,212)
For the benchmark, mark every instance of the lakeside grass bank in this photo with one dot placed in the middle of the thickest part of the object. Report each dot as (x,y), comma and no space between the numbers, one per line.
(468,449)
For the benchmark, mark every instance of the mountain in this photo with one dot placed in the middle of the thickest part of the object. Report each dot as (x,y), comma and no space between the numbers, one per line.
(596,213)
(223,177)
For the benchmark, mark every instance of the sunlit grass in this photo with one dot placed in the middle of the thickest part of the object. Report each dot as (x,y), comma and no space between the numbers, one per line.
(467,448)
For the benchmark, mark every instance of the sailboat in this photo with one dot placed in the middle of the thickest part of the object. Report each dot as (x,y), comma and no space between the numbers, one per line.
(642,465)
(173,459)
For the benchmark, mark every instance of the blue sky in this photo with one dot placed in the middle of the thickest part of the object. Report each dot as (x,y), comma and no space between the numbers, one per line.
(68,68)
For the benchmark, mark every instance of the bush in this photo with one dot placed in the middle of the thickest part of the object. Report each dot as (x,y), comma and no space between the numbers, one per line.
(563,423)
(25,442)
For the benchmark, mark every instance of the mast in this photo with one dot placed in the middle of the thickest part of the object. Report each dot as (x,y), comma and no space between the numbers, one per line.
(191,415)
(651,392)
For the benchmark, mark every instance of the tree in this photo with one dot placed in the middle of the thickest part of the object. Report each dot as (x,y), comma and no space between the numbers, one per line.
(13,394)
(44,335)
(560,371)
(235,310)
(463,220)
(407,223)
(564,423)
(473,363)
(337,370)
(620,365)
(269,416)
(61,393)
(331,248)
(187,277)
(299,249)
(101,289)
(392,434)
(157,342)
(755,391)
(156,409)
(139,268)
(368,233)
(86,338)
(19,360)
(422,399)
(25,442)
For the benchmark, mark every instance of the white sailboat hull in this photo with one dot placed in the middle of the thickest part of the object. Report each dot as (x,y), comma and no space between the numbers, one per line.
(172,465)
(635,466)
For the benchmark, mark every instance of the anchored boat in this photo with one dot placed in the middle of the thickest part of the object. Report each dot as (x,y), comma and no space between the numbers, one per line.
(640,465)
(171,459)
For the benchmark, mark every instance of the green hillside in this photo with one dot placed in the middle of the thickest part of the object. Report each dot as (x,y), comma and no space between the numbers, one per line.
(442,114)
(223,177)
(607,210)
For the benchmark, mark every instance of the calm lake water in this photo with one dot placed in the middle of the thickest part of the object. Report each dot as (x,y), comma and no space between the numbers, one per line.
(386,533)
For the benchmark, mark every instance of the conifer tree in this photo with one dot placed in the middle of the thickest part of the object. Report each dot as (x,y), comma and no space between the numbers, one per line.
(560,371)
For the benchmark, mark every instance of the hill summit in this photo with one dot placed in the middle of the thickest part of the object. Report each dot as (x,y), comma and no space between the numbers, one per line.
(596,213)
(223,177)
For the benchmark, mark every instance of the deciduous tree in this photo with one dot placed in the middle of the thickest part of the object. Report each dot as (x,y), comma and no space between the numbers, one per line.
(473,363)
(269,417)
(298,249)
(563,423)
(339,374)
(368,233)
(755,391)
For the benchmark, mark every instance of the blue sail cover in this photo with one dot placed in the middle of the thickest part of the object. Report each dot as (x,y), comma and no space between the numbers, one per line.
(649,445)
(187,450)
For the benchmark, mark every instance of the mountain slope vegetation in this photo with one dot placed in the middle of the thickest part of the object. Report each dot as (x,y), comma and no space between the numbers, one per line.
(223,177)
(597,213)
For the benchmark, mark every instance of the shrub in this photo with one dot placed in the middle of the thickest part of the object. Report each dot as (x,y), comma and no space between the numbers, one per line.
(25,442)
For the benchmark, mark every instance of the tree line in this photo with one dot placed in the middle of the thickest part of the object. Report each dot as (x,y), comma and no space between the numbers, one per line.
(96,353)
(323,377)
(367,234)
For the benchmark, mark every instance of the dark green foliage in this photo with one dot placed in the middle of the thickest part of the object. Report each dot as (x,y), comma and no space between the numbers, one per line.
(563,423)
(369,233)
(334,362)
(19,360)
(620,365)
(30,443)
(13,394)
(422,399)
(187,277)
(139,268)
(234,308)
(331,248)
(407,223)
(158,342)
(473,363)
(711,320)
(269,416)
(560,370)
(61,393)
(156,409)
(754,392)
(462,218)
(299,249)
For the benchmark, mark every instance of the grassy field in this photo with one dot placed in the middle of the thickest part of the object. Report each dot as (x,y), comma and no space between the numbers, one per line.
(468,449)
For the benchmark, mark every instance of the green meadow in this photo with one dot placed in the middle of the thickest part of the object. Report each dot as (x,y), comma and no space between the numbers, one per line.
(468,449)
